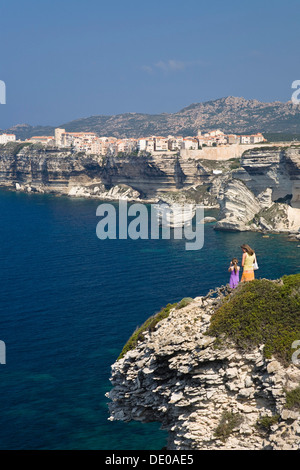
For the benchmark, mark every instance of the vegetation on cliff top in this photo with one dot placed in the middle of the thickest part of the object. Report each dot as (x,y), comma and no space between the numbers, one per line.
(148,325)
(261,312)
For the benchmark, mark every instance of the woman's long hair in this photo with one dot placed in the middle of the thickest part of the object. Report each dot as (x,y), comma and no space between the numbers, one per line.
(248,249)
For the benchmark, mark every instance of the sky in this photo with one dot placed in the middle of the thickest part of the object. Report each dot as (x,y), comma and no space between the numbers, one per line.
(68,59)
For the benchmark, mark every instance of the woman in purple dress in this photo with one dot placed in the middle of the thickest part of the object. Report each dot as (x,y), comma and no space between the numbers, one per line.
(234,269)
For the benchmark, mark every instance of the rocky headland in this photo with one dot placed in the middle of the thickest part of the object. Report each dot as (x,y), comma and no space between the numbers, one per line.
(259,191)
(219,372)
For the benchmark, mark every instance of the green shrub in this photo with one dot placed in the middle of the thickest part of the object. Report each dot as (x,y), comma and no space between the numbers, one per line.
(235,163)
(184,302)
(149,325)
(228,422)
(293,399)
(262,312)
(264,423)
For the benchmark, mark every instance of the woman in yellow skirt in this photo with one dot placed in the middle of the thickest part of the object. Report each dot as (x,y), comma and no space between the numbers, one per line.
(247,263)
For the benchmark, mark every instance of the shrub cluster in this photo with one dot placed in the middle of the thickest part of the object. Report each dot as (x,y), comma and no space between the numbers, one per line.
(293,399)
(264,423)
(229,421)
(262,312)
(149,325)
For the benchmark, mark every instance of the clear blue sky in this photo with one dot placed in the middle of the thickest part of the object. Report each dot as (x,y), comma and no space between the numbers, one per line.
(63,60)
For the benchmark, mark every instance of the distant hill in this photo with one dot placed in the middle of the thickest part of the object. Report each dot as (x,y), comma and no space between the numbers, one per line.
(231,115)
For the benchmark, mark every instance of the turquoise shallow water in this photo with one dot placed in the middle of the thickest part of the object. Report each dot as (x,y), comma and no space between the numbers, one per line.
(69,302)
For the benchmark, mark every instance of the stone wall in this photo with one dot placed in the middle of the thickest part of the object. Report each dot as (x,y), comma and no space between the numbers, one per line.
(226,152)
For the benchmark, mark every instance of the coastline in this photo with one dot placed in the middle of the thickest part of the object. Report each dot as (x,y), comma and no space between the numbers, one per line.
(162,197)
(259,192)
(66,279)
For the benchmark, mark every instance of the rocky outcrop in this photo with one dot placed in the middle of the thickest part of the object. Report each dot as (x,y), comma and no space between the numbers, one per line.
(274,168)
(241,211)
(206,397)
(120,191)
(238,205)
(263,194)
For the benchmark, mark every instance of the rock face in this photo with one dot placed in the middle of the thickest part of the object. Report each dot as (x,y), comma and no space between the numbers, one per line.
(178,377)
(274,168)
(264,194)
(238,205)
(64,172)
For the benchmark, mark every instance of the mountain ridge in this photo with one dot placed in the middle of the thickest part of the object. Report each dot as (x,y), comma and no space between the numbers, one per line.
(231,114)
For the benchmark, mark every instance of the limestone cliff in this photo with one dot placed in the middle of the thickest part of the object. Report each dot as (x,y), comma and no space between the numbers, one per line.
(259,192)
(264,193)
(61,171)
(205,390)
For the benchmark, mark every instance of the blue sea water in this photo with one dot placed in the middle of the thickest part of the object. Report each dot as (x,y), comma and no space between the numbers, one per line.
(69,302)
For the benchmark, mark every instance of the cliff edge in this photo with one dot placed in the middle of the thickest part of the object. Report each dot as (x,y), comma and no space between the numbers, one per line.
(218,371)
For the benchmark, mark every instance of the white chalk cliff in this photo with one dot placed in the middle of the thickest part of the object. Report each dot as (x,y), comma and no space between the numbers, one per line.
(264,194)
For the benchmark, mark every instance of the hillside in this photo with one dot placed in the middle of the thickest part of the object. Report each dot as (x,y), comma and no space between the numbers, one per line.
(231,114)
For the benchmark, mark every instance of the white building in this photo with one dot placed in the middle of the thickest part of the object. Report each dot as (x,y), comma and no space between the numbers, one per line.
(4,138)
(125,145)
(146,144)
(58,136)
(150,145)
(141,144)
(245,139)
(160,144)
(256,138)
(189,143)
(174,143)
(233,139)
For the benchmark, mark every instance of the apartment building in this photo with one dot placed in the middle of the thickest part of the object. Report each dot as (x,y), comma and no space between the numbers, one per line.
(146,144)
(233,139)
(174,143)
(256,138)
(190,143)
(160,144)
(126,145)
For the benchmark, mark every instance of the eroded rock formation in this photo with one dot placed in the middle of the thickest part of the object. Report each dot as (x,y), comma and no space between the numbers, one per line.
(264,193)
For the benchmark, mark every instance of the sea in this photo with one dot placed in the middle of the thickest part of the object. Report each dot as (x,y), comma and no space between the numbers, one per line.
(68,303)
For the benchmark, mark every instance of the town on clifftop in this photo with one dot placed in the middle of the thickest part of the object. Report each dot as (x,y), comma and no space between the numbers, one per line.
(91,143)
